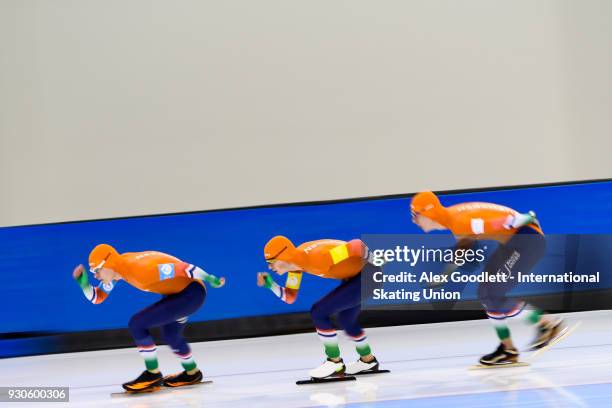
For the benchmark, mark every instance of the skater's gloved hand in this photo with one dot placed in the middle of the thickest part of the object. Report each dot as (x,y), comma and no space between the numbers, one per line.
(80,276)
(215,281)
(264,279)
(520,220)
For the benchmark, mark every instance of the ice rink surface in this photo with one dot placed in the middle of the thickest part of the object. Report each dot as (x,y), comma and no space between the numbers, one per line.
(429,365)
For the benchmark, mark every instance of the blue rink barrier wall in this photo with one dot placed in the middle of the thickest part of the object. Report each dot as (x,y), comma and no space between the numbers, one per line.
(39,298)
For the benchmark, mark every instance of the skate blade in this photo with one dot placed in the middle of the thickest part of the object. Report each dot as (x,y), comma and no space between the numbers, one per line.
(169,387)
(139,392)
(484,366)
(326,380)
(370,372)
(154,389)
(564,333)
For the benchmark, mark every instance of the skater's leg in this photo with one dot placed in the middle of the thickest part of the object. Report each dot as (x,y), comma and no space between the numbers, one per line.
(538,317)
(151,378)
(520,253)
(325,330)
(531,248)
(348,320)
(345,296)
(172,333)
(139,328)
(167,310)
(505,353)
(499,308)
(321,313)
(341,298)
(500,318)
(547,327)
(534,316)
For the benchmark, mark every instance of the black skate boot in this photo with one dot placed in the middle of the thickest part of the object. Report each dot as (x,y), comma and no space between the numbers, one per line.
(547,333)
(501,356)
(146,382)
(182,379)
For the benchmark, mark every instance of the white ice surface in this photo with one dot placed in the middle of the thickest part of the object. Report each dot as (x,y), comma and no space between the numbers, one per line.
(429,365)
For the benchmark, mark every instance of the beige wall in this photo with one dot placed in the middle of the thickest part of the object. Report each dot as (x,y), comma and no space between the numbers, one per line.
(114,108)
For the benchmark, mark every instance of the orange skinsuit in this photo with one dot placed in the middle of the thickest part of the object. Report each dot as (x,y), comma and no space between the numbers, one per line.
(150,271)
(472,219)
(182,285)
(327,258)
(485,221)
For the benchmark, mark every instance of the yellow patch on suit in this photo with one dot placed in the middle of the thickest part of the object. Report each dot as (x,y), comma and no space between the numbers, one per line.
(339,253)
(294,279)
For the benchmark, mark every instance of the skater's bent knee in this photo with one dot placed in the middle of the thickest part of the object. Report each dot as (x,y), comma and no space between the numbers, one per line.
(136,327)
(350,326)
(171,337)
(318,312)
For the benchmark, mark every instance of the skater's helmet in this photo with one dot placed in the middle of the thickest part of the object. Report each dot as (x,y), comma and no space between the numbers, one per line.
(103,255)
(428,205)
(279,248)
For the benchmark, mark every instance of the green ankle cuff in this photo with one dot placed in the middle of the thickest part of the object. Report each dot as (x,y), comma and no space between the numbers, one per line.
(503,332)
(534,317)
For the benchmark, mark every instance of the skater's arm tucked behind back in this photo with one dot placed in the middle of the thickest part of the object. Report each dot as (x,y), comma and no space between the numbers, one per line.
(477,223)
(195,272)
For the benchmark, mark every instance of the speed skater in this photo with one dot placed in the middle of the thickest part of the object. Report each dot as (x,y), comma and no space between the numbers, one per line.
(332,259)
(522,245)
(182,286)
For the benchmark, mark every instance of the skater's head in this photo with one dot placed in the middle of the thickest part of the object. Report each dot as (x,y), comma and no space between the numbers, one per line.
(103,260)
(279,253)
(427,212)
